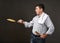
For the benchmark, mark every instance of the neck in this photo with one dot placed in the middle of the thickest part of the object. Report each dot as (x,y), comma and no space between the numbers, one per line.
(40,13)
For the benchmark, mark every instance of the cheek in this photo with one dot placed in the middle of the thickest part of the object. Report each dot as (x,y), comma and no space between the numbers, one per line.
(37,10)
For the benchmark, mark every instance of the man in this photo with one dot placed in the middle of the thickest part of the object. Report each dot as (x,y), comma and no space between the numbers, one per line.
(42,25)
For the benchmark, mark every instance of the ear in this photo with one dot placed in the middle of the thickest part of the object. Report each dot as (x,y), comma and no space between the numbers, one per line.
(41,9)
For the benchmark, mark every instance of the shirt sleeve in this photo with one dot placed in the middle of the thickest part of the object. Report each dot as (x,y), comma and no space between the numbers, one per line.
(50,26)
(28,24)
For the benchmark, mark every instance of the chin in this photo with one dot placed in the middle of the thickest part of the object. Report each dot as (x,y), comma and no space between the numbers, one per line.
(37,13)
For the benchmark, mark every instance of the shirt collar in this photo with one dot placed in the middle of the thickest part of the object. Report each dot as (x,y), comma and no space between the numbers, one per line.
(40,14)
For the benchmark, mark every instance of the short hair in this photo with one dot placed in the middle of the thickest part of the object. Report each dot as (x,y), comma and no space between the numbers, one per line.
(41,6)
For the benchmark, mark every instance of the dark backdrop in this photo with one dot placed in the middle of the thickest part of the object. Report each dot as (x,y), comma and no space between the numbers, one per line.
(24,9)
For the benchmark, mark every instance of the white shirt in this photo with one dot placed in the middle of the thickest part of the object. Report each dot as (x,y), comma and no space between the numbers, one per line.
(46,27)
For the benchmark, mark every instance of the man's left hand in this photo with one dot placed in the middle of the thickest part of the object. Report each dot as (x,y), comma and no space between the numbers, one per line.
(43,36)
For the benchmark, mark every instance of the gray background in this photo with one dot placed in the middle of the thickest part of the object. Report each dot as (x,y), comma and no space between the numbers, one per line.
(24,9)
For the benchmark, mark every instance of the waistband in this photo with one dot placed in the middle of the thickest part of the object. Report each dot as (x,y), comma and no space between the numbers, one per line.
(35,35)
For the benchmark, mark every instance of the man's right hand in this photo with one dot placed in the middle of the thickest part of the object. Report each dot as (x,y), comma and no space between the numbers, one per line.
(37,33)
(20,21)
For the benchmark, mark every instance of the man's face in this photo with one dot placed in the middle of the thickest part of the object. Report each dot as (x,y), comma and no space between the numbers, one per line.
(38,10)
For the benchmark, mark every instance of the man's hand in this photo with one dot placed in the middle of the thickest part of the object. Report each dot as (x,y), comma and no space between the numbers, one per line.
(37,33)
(43,36)
(20,21)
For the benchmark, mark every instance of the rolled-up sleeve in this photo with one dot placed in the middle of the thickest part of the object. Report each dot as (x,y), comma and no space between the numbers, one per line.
(28,24)
(50,26)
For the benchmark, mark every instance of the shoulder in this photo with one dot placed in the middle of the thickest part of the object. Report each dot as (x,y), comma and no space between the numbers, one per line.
(45,14)
(34,17)
(48,17)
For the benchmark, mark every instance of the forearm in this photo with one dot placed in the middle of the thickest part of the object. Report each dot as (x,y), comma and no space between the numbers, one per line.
(50,30)
(28,24)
